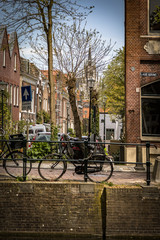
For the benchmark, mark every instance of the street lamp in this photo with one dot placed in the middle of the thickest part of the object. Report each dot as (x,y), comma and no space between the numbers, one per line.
(104,129)
(91,82)
(67,115)
(85,123)
(3,86)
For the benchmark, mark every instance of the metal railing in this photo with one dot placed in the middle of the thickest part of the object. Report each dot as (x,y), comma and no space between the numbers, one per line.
(147,145)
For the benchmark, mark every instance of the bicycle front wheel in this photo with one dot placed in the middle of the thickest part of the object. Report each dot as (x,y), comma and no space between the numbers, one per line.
(13,164)
(52,168)
(99,168)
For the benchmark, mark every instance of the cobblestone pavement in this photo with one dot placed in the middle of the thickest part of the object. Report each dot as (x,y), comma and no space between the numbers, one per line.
(122,174)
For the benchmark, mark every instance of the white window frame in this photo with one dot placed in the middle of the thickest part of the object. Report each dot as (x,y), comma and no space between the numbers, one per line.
(4,57)
(17,96)
(149,32)
(11,94)
(14,95)
(32,103)
(15,62)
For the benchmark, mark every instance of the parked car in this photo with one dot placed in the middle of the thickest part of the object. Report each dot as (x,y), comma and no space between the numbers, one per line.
(34,129)
(41,136)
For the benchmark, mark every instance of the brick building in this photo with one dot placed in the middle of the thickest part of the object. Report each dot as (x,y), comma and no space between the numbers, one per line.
(142,41)
(10,69)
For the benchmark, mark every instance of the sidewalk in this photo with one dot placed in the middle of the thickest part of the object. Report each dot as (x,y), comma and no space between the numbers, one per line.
(122,175)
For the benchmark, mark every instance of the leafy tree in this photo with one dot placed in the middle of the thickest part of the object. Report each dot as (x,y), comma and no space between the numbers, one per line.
(95,113)
(71,48)
(43,117)
(6,111)
(155,17)
(113,85)
(36,16)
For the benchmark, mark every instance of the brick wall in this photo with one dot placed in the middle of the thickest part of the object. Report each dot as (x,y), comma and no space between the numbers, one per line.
(8,74)
(133,211)
(78,208)
(137,60)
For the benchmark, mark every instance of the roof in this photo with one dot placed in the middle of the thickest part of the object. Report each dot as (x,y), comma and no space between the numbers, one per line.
(2,30)
(12,38)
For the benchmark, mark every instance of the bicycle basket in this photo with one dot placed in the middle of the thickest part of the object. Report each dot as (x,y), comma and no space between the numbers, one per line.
(18,143)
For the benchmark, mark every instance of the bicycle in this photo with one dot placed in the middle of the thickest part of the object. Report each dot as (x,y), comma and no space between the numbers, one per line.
(99,166)
(12,157)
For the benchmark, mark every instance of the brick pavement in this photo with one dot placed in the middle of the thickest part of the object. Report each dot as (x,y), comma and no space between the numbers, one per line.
(122,174)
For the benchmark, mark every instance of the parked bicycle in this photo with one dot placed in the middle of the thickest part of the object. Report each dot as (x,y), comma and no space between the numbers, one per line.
(11,155)
(99,166)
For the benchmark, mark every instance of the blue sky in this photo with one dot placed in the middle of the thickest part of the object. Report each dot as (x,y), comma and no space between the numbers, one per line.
(108,18)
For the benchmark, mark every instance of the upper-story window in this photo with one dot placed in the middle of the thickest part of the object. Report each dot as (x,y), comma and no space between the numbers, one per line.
(154,16)
(4,57)
(11,94)
(14,96)
(15,62)
(150,109)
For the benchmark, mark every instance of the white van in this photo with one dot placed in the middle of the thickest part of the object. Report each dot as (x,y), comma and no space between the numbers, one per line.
(34,129)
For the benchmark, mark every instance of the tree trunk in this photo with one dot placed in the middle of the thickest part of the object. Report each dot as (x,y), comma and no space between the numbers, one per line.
(50,72)
(72,99)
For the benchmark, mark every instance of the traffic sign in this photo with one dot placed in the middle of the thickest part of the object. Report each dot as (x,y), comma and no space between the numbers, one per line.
(148,74)
(26,97)
(26,94)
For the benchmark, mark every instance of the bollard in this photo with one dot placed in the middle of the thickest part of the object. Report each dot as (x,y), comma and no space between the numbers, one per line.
(148,164)
(24,159)
(85,161)
(139,164)
(24,168)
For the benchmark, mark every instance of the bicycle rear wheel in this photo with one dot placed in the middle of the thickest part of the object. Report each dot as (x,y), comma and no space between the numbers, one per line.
(52,168)
(13,164)
(99,168)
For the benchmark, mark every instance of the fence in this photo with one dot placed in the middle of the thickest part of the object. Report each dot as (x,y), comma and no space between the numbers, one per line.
(84,160)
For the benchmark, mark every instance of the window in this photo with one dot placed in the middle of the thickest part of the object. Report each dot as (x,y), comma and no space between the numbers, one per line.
(15,62)
(17,96)
(14,95)
(154,16)
(150,102)
(11,95)
(32,103)
(4,57)
(109,133)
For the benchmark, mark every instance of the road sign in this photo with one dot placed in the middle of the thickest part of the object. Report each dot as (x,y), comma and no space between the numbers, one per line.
(148,74)
(26,94)
(26,105)
(26,97)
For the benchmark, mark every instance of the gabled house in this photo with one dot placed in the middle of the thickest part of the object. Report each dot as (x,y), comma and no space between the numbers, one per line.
(10,69)
(64,116)
(30,76)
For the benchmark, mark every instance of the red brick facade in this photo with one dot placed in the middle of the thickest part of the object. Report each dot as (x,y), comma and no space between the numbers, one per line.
(10,69)
(140,59)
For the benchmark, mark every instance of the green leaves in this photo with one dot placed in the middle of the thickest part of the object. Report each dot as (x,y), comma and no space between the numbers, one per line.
(113,85)
(39,150)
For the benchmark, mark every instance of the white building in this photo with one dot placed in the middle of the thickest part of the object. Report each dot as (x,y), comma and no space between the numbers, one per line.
(113,127)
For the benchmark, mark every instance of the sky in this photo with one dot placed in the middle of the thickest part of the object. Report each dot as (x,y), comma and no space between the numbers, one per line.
(107,18)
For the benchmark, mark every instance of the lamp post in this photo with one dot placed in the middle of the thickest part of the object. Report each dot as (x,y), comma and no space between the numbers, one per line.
(104,126)
(91,82)
(85,123)
(67,115)
(2,88)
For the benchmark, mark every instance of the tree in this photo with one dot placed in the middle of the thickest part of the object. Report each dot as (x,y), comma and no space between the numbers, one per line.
(71,48)
(113,85)
(155,17)
(33,16)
